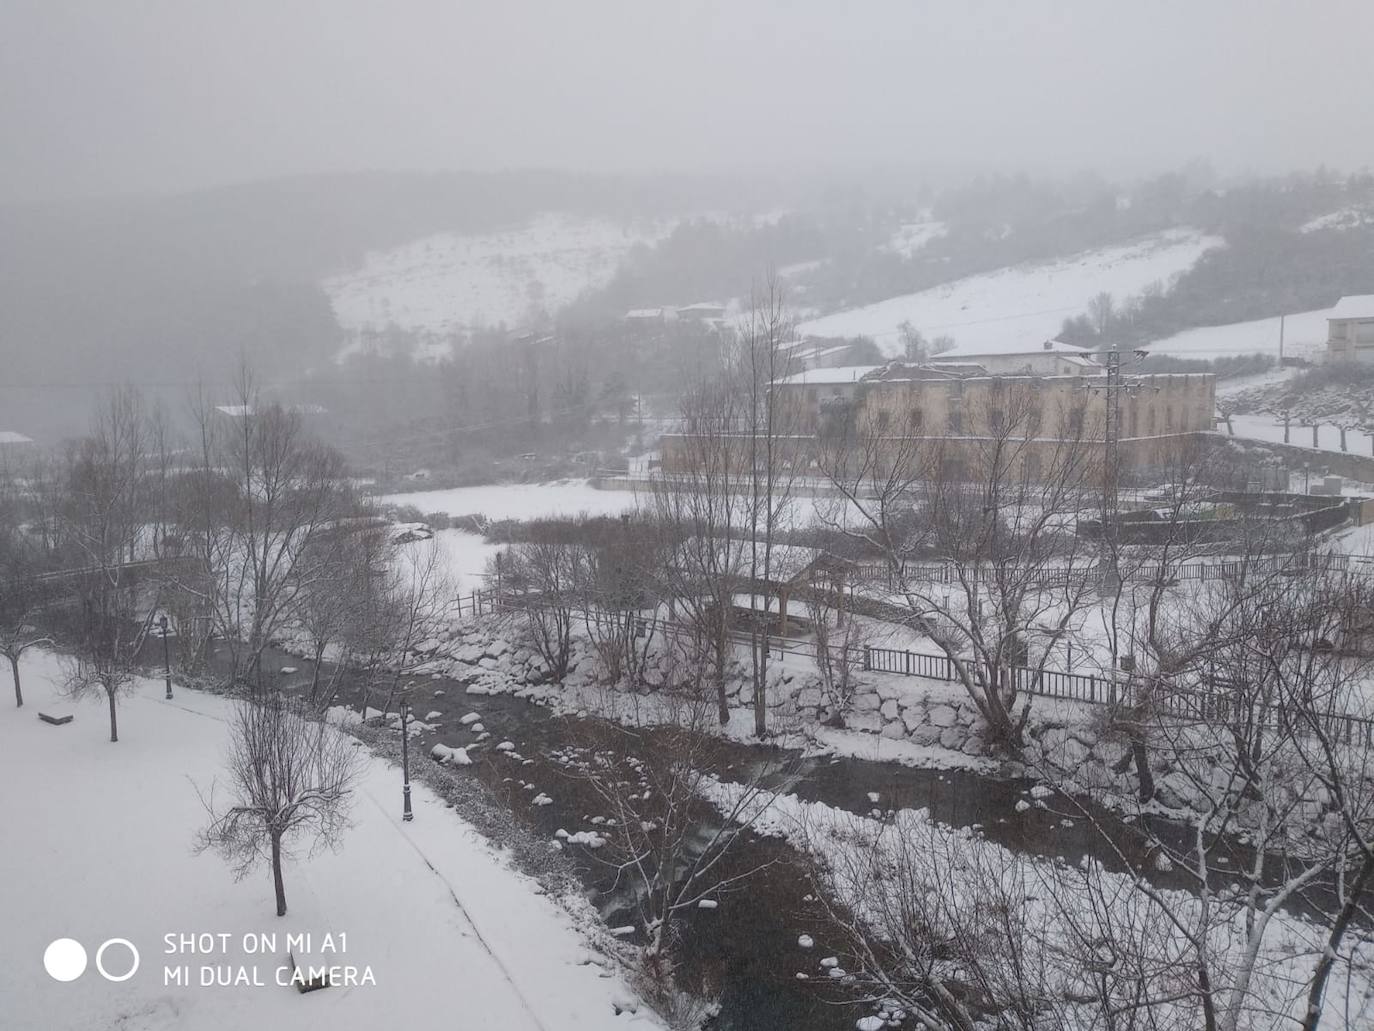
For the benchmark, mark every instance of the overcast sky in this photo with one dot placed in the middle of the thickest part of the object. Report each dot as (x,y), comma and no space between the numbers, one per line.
(107,96)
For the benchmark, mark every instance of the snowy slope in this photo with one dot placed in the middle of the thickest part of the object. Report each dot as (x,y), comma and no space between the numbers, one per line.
(453,936)
(1304,335)
(1022,304)
(450,281)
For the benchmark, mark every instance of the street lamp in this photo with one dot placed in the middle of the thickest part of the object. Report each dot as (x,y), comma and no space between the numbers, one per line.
(166,656)
(406,814)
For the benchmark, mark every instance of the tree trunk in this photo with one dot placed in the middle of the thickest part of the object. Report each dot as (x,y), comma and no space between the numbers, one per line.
(760,682)
(1333,944)
(277,882)
(18,691)
(114,718)
(1143,772)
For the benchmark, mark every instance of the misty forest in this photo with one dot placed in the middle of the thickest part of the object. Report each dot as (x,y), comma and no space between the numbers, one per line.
(695,517)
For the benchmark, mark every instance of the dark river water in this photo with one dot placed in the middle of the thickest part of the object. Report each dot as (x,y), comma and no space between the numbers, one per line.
(746,949)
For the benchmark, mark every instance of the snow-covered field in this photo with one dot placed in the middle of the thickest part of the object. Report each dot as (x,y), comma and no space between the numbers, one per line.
(98,846)
(1304,334)
(1020,305)
(519,500)
(1266,427)
(450,281)
(465,558)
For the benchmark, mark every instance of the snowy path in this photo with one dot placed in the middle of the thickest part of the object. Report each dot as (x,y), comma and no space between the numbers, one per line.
(99,845)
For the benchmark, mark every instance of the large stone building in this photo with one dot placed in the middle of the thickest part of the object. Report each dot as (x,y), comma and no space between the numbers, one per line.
(1350,330)
(1056,399)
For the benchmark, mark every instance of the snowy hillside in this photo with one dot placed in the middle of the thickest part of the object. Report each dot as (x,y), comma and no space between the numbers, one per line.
(1020,305)
(450,281)
(1304,335)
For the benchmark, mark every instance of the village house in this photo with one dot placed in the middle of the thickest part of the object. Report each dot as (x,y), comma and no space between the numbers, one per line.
(1350,330)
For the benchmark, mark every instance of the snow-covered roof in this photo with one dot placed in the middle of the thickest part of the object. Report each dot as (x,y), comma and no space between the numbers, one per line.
(644,313)
(1013,347)
(1357,306)
(829,377)
(11,437)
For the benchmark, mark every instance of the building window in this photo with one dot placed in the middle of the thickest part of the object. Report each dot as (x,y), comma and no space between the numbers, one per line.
(884,417)
(956,421)
(914,420)
(996,420)
(1168,418)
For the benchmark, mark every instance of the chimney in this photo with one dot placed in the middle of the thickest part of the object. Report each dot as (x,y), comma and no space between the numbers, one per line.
(1048,345)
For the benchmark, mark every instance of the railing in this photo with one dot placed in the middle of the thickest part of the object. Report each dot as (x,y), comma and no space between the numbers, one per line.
(1217,705)
(1052,575)
(1051,683)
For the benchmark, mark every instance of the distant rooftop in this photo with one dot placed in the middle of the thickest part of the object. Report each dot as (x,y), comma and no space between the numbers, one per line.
(11,437)
(830,377)
(1012,348)
(1357,306)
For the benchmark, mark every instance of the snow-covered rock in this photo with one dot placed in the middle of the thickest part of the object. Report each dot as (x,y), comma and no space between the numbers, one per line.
(447,755)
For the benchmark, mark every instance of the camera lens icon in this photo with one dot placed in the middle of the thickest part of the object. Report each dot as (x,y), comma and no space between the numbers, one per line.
(65,959)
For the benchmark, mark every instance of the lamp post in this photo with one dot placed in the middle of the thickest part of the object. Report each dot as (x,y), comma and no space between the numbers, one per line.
(166,656)
(406,814)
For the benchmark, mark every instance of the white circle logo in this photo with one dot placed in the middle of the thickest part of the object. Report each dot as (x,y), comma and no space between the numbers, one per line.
(100,960)
(65,959)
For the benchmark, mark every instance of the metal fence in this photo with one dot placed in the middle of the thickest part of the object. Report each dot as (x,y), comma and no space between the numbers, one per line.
(1051,683)
(1221,703)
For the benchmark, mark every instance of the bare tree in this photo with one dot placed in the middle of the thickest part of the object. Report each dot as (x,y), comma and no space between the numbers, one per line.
(619,596)
(773,457)
(546,571)
(1009,581)
(268,488)
(104,505)
(21,591)
(840,640)
(702,518)
(661,836)
(290,778)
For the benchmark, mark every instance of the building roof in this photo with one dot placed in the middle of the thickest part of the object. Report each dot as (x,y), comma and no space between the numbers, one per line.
(11,437)
(829,377)
(1013,348)
(644,313)
(1357,306)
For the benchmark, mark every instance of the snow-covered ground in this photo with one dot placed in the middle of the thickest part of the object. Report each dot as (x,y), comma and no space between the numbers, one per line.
(1345,218)
(465,558)
(519,500)
(1304,335)
(98,846)
(1024,304)
(1267,427)
(450,281)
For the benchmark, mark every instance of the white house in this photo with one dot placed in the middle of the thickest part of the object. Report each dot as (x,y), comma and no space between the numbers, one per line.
(1350,330)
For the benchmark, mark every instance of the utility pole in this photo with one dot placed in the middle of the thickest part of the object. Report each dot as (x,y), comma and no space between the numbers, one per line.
(1111,434)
